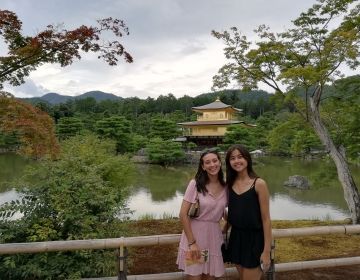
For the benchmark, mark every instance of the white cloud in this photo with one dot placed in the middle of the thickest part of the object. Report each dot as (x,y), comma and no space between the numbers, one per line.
(28,89)
(170,41)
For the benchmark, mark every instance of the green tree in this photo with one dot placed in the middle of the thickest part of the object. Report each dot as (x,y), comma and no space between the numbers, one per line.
(53,45)
(44,106)
(137,142)
(166,104)
(109,107)
(116,128)
(77,196)
(292,137)
(9,141)
(279,139)
(34,128)
(164,152)
(185,104)
(63,110)
(304,141)
(68,127)
(85,105)
(264,124)
(242,135)
(163,128)
(341,113)
(141,124)
(131,107)
(307,56)
(177,116)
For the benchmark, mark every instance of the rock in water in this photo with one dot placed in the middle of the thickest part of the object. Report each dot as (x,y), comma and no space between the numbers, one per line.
(298,181)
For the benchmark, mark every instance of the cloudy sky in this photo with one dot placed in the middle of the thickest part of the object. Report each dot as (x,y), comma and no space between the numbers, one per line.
(169,40)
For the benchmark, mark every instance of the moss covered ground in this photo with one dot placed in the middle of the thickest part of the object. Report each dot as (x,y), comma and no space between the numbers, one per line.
(160,259)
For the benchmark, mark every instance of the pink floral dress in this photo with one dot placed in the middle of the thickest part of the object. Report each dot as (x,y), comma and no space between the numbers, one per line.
(207,232)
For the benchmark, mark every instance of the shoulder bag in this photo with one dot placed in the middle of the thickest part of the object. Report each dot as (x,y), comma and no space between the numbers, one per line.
(194,209)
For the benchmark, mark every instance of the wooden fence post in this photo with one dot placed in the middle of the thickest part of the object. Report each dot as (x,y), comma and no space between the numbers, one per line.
(121,266)
(270,274)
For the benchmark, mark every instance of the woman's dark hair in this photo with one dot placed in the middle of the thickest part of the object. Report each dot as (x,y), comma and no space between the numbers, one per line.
(201,177)
(231,174)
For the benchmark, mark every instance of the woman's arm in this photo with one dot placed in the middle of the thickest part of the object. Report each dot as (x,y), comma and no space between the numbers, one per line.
(263,196)
(185,221)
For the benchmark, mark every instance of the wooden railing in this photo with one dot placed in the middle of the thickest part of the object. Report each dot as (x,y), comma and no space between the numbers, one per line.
(121,243)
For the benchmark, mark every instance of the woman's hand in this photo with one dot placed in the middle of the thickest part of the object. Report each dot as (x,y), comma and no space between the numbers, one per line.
(265,261)
(194,251)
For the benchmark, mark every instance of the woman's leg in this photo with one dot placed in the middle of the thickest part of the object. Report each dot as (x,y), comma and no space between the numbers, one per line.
(190,277)
(251,273)
(240,269)
(207,277)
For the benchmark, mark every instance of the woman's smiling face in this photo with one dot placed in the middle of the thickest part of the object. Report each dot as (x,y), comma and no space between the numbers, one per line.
(211,164)
(237,161)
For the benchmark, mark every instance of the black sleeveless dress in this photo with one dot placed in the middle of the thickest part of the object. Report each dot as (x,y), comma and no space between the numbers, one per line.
(246,242)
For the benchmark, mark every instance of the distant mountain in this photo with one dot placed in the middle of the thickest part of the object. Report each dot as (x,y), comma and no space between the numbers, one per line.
(233,97)
(55,98)
(98,95)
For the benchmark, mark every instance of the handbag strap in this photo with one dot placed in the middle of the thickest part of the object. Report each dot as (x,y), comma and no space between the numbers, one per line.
(197,196)
(226,225)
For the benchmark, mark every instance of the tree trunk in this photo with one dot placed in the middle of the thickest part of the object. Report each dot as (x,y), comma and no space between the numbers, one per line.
(351,193)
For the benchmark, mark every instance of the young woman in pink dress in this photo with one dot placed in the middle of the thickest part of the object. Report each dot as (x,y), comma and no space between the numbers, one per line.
(204,232)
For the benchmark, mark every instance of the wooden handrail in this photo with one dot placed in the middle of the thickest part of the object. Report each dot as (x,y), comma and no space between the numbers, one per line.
(120,243)
(231,271)
(89,244)
(114,243)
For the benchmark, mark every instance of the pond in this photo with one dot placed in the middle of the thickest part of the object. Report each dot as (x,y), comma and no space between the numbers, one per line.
(157,192)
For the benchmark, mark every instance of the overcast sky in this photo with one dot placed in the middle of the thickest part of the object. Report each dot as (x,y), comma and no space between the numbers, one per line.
(169,40)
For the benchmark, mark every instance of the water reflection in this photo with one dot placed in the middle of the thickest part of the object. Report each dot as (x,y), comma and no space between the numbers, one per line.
(161,183)
(282,207)
(8,196)
(11,167)
(143,204)
(159,190)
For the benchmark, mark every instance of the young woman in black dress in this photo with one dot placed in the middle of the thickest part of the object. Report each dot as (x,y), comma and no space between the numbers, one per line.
(248,215)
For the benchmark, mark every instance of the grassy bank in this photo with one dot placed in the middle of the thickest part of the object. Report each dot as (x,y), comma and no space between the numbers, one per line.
(159,259)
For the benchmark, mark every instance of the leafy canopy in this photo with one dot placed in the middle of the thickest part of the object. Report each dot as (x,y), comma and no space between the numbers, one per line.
(56,45)
(78,196)
(34,128)
(306,56)
(164,152)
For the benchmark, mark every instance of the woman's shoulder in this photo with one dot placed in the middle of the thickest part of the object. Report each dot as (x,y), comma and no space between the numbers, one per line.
(260,183)
(260,180)
(192,183)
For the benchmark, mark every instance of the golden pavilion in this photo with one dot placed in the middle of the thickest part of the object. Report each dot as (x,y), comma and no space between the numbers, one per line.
(211,124)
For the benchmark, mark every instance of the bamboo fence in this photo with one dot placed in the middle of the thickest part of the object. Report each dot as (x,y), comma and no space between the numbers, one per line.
(122,242)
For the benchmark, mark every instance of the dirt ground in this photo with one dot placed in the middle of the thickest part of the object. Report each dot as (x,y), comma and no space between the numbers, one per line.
(336,273)
(144,263)
(161,259)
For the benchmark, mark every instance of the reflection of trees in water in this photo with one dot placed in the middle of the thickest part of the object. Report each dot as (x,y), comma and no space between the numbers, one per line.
(163,182)
(327,196)
(326,176)
(11,167)
(325,186)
